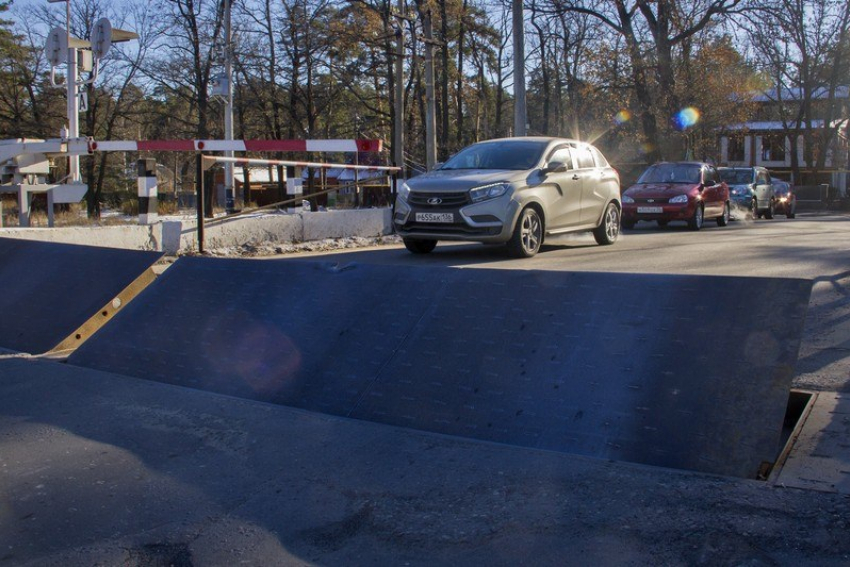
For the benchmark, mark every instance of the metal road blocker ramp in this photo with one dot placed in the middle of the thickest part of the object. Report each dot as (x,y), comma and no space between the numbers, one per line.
(689,372)
(54,296)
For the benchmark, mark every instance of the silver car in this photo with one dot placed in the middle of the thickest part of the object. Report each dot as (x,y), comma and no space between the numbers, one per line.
(513,191)
(751,189)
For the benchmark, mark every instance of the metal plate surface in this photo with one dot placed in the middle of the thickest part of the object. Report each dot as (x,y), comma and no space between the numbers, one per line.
(48,290)
(689,372)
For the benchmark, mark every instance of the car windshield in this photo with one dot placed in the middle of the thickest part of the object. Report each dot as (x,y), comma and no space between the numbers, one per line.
(671,173)
(498,155)
(736,176)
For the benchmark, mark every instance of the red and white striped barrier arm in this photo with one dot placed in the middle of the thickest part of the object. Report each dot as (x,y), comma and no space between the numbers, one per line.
(237,146)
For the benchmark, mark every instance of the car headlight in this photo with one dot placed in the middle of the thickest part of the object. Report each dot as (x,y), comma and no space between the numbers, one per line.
(627,199)
(679,199)
(486,192)
(783,199)
(404,192)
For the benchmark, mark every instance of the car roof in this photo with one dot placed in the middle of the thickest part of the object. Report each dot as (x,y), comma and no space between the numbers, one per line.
(548,139)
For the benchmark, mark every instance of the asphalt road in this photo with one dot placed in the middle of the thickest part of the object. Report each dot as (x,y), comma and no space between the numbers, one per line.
(101,469)
(810,245)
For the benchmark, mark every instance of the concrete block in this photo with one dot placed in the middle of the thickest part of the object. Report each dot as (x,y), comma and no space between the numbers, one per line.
(171,231)
(253,229)
(130,237)
(174,236)
(341,224)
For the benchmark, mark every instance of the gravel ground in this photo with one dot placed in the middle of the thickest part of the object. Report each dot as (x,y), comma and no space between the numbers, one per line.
(327,245)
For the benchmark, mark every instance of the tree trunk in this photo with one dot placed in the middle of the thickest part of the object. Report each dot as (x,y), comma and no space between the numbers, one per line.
(443,147)
(459,94)
(642,90)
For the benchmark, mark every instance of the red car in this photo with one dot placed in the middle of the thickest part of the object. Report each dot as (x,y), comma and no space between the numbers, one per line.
(680,191)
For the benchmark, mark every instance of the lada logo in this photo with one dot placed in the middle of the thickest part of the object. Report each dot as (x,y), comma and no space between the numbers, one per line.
(434,201)
(650,200)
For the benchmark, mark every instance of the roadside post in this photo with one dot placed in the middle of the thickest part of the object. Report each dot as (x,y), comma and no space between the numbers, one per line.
(199,199)
(147,191)
(393,192)
(294,188)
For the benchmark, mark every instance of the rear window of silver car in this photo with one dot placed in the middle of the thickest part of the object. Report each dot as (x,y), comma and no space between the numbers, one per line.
(584,157)
(737,176)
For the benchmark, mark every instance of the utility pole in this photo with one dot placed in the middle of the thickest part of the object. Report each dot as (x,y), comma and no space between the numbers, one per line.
(72,89)
(430,103)
(520,112)
(229,189)
(398,133)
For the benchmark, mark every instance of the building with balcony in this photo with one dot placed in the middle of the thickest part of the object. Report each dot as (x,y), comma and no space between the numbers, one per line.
(767,139)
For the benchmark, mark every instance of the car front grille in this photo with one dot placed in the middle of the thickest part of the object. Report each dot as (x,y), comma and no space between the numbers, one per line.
(652,201)
(446,200)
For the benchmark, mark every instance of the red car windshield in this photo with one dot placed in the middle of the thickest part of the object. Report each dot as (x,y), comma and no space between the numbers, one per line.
(671,173)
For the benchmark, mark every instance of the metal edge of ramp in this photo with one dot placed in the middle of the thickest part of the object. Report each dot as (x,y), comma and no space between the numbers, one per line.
(104,315)
(57,295)
(817,458)
(615,366)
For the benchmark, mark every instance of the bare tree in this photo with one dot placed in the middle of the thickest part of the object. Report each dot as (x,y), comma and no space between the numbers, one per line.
(664,25)
(802,46)
(183,62)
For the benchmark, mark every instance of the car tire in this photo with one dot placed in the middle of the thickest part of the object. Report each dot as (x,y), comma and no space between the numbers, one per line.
(420,246)
(768,214)
(528,234)
(792,212)
(723,219)
(696,221)
(609,229)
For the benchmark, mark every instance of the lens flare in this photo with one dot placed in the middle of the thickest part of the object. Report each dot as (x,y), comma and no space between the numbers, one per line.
(686,118)
(622,117)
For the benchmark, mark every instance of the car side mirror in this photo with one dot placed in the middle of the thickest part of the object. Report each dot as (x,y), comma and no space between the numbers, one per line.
(555,167)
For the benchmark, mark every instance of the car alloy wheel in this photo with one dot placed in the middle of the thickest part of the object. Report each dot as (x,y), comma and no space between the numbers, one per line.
(608,231)
(696,221)
(528,234)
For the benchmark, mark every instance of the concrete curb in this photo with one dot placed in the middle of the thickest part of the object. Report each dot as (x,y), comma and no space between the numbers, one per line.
(179,236)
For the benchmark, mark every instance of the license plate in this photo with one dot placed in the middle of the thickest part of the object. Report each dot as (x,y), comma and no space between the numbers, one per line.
(435,217)
(650,209)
